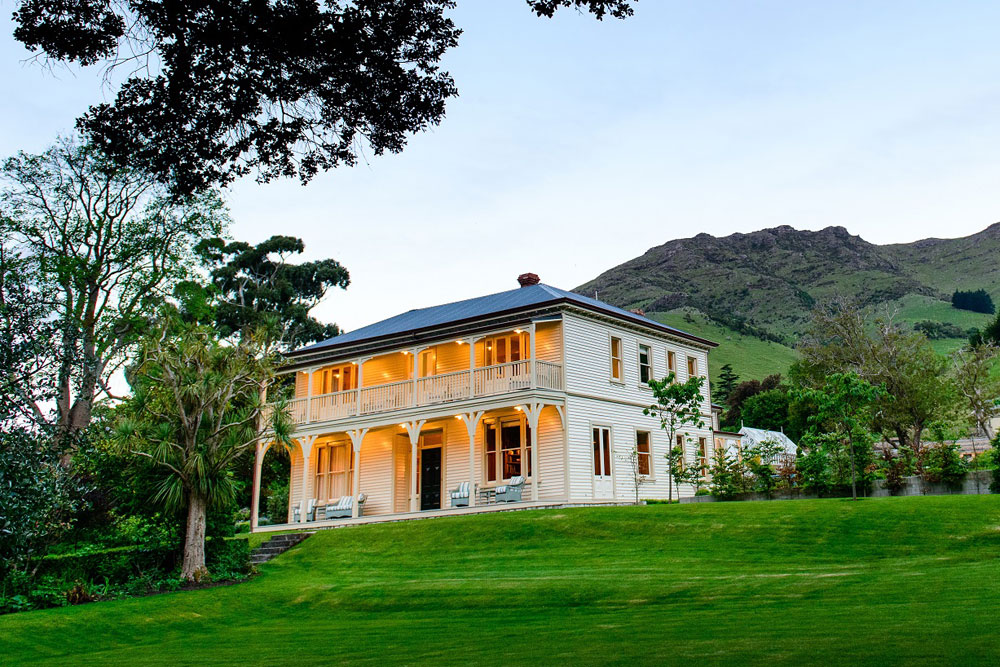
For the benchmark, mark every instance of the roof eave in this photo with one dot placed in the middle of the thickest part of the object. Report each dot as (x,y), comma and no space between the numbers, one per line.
(332,347)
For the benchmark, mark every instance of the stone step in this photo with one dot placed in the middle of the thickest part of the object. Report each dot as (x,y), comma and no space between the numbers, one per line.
(275,546)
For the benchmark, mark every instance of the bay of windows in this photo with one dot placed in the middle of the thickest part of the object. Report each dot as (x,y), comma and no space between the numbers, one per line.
(333,471)
(506,348)
(334,379)
(508,448)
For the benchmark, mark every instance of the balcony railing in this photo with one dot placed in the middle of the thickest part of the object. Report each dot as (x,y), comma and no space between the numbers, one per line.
(486,381)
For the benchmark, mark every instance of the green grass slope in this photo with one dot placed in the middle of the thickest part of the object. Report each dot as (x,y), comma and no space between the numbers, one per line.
(750,357)
(880,582)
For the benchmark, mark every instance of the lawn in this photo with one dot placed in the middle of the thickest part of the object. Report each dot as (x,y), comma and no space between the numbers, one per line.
(888,581)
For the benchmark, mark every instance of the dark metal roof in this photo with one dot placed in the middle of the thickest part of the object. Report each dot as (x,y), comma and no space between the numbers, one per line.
(511,300)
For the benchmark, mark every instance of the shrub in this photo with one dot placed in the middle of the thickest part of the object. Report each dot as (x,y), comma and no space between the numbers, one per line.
(227,559)
(277,501)
(940,330)
(944,464)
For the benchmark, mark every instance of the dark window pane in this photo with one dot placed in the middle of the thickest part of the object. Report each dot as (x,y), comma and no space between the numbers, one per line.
(597,451)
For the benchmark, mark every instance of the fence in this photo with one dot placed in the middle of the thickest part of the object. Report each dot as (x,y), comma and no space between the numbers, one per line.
(974,483)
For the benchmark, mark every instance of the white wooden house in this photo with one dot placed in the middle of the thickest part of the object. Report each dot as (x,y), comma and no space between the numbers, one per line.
(535,382)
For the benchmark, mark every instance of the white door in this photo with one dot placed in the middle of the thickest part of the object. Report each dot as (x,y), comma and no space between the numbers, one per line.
(603,487)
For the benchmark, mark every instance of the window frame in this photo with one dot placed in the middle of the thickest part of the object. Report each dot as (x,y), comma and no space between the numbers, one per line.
(610,458)
(620,359)
(703,457)
(649,362)
(650,473)
(324,475)
(527,441)
(692,360)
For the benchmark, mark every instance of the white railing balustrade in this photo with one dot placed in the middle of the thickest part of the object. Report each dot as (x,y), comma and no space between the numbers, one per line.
(502,378)
(486,381)
(443,388)
(386,397)
(338,405)
(548,375)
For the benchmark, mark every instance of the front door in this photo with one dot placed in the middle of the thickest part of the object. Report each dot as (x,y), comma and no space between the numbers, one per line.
(430,478)
(603,487)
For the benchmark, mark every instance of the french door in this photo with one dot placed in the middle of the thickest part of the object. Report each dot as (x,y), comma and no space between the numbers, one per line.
(603,485)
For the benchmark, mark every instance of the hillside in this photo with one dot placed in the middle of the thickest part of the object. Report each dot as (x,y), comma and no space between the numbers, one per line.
(886,581)
(766,283)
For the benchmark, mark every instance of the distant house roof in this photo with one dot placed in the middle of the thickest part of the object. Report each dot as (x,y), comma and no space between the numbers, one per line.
(753,436)
(493,304)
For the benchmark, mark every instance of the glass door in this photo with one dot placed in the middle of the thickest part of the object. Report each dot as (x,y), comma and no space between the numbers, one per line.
(603,485)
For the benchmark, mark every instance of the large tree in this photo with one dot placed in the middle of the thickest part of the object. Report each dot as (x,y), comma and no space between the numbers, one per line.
(195,413)
(846,339)
(101,246)
(215,89)
(678,406)
(251,284)
(845,413)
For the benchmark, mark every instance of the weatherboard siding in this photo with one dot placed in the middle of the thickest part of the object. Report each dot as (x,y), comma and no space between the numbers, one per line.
(596,400)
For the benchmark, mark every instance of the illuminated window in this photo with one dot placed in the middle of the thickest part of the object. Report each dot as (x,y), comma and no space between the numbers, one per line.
(333,472)
(508,449)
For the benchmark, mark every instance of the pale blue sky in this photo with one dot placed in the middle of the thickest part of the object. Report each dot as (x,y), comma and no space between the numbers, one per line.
(576,145)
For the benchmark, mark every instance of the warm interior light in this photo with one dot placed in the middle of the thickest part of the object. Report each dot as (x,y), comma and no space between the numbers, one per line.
(459,342)
(402,426)
(518,408)
(403,352)
(458,416)
(517,331)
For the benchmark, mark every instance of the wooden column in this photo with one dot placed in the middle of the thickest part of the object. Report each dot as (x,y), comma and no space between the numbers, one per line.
(564,416)
(416,373)
(307,445)
(531,343)
(357,436)
(357,394)
(533,412)
(255,500)
(413,430)
(309,395)
(472,367)
(471,420)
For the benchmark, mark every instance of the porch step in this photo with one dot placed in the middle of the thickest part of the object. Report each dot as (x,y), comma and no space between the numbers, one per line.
(276,546)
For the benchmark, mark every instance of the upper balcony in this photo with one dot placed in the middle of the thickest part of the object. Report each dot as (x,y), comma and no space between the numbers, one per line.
(480,366)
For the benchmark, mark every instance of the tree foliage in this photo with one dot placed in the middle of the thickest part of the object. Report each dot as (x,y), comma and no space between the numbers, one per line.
(678,405)
(727,383)
(978,301)
(251,285)
(37,496)
(845,339)
(845,412)
(102,246)
(195,414)
(216,89)
(744,390)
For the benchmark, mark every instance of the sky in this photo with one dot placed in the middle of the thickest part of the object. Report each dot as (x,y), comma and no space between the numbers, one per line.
(576,145)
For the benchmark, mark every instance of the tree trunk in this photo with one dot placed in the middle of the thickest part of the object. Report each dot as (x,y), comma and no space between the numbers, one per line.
(854,486)
(193,568)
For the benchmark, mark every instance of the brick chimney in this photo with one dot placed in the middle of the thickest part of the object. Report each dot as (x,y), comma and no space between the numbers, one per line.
(528,279)
(638,311)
